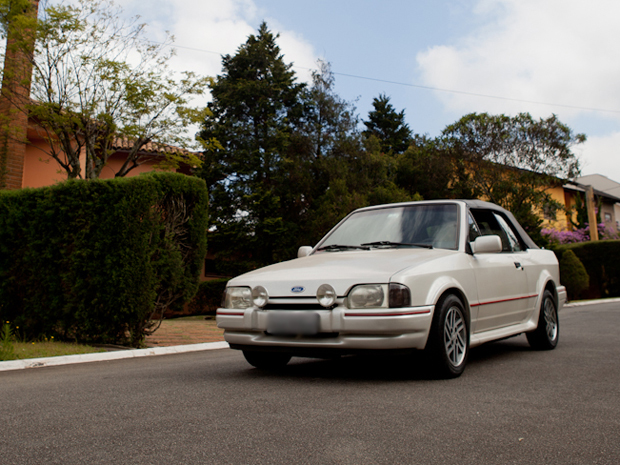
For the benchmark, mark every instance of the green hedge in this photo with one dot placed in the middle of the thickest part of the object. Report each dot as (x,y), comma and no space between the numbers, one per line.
(208,298)
(600,260)
(92,260)
(573,275)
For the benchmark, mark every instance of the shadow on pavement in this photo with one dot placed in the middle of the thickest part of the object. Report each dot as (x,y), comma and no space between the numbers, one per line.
(379,367)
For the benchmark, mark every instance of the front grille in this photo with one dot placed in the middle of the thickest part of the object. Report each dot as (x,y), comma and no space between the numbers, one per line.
(313,336)
(308,306)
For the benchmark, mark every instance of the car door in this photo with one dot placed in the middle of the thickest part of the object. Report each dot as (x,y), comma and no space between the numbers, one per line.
(503,296)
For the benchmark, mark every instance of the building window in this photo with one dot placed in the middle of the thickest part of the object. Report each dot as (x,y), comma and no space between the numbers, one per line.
(550,212)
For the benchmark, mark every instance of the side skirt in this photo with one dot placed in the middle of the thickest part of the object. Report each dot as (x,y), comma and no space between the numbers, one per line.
(501,333)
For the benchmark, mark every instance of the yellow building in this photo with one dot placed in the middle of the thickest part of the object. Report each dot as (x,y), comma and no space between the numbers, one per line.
(567,194)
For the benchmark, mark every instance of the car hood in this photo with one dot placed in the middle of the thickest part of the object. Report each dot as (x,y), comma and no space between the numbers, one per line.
(342,270)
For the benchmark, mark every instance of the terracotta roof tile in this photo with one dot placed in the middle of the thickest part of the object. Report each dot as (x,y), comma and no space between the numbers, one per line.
(122,144)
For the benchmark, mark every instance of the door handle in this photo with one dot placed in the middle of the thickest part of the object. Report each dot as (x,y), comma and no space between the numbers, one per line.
(518,266)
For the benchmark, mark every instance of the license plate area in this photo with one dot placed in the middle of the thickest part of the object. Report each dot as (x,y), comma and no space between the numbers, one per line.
(293,323)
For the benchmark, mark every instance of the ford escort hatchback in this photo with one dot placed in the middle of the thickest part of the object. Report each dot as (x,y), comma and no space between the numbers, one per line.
(439,276)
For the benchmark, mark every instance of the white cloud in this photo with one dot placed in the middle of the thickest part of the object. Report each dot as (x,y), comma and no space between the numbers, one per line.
(601,155)
(204,30)
(556,51)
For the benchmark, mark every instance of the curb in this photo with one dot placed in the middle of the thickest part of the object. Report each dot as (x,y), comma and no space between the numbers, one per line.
(590,302)
(103,356)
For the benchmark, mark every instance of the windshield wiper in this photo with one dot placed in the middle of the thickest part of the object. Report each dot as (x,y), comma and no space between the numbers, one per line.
(341,247)
(396,244)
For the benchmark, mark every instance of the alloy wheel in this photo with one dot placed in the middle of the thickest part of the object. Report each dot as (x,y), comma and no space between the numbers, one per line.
(551,322)
(455,337)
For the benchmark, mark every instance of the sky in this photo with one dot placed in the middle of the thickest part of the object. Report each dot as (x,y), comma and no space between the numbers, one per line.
(437,60)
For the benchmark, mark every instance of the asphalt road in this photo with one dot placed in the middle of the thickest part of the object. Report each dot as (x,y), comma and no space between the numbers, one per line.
(512,406)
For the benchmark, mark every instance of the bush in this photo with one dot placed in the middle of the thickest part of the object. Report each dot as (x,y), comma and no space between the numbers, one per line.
(602,266)
(93,260)
(7,351)
(208,298)
(573,275)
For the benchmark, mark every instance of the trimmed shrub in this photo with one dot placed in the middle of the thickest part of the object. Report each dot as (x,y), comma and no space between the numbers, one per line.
(600,260)
(208,298)
(93,260)
(573,275)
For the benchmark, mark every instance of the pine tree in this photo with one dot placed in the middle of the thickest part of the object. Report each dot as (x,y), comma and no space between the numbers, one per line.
(389,126)
(255,108)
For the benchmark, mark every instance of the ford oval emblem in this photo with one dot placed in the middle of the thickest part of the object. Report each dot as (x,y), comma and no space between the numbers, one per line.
(298,289)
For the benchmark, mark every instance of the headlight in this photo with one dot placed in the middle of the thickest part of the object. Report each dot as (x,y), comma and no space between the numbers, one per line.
(260,296)
(400,296)
(366,296)
(237,297)
(326,295)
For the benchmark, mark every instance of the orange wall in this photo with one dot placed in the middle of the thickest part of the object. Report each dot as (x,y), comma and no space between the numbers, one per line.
(116,161)
(561,222)
(41,170)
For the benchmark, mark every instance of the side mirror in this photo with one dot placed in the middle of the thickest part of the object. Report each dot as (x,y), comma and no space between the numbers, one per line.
(304,251)
(486,244)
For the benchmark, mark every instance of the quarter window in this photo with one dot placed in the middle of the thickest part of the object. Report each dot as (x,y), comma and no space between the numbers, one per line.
(513,244)
(474,231)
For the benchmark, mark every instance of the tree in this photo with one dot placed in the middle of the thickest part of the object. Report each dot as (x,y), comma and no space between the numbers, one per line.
(389,126)
(291,161)
(340,169)
(96,80)
(511,161)
(322,154)
(255,107)
(428,169)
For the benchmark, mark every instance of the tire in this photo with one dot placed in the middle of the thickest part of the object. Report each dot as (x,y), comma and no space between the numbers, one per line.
(547,333)
(448,345)
(267,360)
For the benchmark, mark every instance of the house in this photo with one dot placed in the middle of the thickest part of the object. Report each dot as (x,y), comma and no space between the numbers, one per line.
(25,159)
(39,169)
(567,195)
(607,187)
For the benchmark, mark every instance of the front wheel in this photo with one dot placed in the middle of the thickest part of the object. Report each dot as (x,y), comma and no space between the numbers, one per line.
(547,333)
(267,360)
(448,345)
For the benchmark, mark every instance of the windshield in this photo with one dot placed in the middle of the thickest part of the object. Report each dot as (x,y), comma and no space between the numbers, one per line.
(414,225)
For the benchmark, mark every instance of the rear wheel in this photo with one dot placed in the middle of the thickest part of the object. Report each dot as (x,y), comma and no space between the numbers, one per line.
(267,360)
(448,345)
(546,335)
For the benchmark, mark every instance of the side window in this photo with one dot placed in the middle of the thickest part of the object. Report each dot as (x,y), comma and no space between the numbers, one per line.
(512,242)
(490,223)
(487,223)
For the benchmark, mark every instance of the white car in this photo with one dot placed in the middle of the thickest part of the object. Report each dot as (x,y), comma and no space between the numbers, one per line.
(440,276)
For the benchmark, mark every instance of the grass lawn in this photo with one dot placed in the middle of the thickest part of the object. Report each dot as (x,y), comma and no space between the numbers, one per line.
(177,331)
(23,350)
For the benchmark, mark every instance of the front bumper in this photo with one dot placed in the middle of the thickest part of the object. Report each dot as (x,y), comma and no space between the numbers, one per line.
(340,328)
(562,297)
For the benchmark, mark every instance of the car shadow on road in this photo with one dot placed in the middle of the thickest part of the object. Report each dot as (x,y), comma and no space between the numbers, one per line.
(502,350)
(388,367)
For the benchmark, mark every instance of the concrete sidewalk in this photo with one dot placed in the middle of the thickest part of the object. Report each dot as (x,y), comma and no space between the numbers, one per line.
(103,356)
